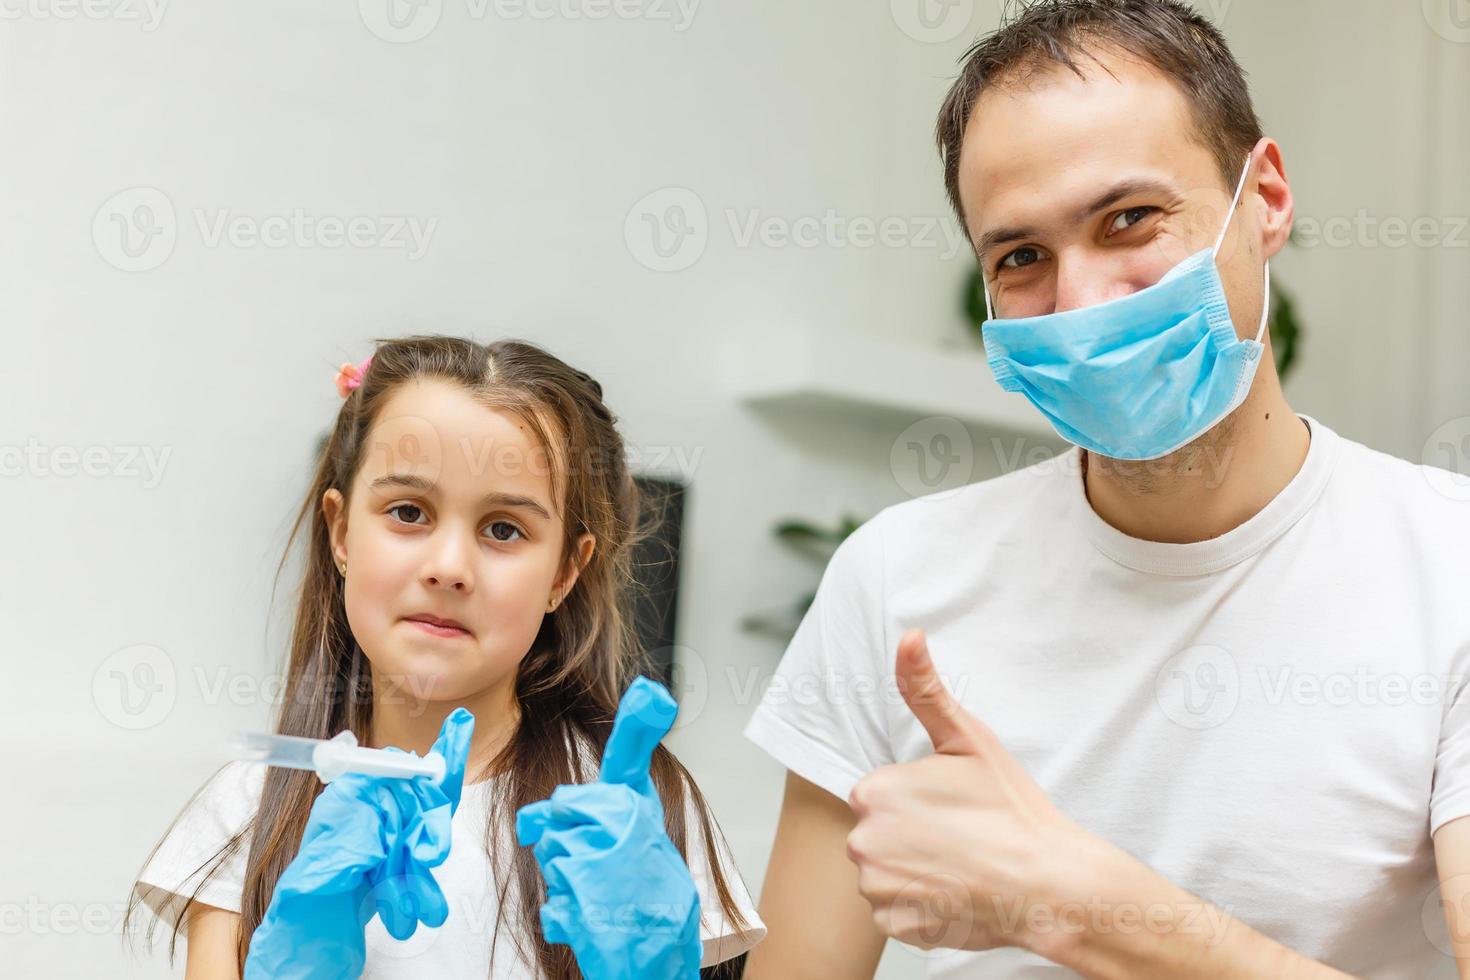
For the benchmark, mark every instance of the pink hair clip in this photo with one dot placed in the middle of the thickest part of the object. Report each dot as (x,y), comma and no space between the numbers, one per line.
(349,376)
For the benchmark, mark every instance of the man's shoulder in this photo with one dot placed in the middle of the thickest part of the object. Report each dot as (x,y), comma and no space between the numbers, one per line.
(1417,491)
(1021,511)
(1413,505)
(1016,494)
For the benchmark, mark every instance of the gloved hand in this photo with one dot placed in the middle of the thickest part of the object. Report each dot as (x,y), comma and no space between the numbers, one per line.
(367,849)
(618,891)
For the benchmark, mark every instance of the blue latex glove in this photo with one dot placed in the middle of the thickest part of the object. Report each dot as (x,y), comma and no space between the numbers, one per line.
(367,849)
(618,893)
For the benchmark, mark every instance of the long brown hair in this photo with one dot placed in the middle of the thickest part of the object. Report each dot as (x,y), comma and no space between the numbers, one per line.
(568,684)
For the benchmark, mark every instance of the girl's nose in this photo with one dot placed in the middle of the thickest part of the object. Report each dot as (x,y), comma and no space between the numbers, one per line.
(457,582)
(449,566)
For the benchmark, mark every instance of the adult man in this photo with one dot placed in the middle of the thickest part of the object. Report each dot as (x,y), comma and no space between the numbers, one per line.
(1188,700)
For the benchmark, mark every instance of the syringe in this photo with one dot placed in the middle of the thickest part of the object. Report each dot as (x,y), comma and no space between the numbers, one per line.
(331,757)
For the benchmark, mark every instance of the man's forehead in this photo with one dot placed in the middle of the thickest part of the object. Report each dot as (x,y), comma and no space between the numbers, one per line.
(1052,138)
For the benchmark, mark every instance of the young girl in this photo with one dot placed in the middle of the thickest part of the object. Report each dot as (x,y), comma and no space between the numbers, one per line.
(470,524)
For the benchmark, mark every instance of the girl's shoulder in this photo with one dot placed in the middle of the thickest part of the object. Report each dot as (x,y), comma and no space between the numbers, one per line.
(202,854)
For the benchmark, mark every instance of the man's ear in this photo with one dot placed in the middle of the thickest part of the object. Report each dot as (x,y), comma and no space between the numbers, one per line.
(586,544)
(1280,209)
(334,513)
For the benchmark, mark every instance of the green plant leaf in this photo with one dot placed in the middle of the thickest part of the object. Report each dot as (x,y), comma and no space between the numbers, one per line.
(1285,330)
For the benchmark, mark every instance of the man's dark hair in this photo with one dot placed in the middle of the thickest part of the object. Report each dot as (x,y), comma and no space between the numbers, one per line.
(1167,34)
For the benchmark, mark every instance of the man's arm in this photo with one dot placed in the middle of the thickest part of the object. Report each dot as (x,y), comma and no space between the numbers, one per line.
(818,925)
(962,848)
(1452,861)
(1118,918)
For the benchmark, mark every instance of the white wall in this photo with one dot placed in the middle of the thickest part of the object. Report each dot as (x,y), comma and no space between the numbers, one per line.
(529,143)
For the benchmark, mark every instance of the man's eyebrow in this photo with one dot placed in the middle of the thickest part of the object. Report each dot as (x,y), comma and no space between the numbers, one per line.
(1105,200)
(425,485)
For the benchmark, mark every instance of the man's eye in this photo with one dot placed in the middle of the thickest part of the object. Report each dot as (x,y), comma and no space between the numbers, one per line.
(411,507)
(1022,257)
(1127,219)
(500,526)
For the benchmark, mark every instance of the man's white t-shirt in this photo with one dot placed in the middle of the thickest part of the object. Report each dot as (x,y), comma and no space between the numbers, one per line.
(460,948)
(1274,719)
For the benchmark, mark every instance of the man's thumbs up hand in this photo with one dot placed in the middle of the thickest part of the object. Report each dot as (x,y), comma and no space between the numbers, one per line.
(950,727)
(950,846)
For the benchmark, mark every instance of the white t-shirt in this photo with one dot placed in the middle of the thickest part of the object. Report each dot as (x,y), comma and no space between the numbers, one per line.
(1274,719)
(460,948)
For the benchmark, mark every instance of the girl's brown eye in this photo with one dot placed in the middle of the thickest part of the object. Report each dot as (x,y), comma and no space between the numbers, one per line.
(410,507)
(504,525)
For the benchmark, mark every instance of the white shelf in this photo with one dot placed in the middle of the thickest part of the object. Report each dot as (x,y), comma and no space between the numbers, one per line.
(809,371)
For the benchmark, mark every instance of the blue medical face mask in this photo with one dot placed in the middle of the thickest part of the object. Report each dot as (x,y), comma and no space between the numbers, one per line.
(1140,376)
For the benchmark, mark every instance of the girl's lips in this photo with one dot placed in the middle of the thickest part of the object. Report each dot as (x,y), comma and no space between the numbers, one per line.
(436,630)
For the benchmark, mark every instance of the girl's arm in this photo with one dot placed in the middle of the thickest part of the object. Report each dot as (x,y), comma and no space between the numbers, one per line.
(820,926)
(213,933)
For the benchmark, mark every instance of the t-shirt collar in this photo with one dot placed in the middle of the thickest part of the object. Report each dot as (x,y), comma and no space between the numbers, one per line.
(1230,548)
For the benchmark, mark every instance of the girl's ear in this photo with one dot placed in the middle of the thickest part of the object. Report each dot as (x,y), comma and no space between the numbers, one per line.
(586,544)
(334,513)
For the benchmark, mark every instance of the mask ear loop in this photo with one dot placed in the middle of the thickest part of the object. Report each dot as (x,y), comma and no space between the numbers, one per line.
(1266,303)
(1230,215)
(1265,306)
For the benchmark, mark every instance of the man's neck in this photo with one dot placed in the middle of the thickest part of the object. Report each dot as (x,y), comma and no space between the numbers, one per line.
(1209,487)
(406,722)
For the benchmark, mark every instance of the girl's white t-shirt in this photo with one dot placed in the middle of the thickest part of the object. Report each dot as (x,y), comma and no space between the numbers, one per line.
(458,948)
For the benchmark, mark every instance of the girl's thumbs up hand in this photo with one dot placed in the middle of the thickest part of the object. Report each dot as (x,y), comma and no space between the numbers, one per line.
(956,848)
(645,715)
(618,891)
